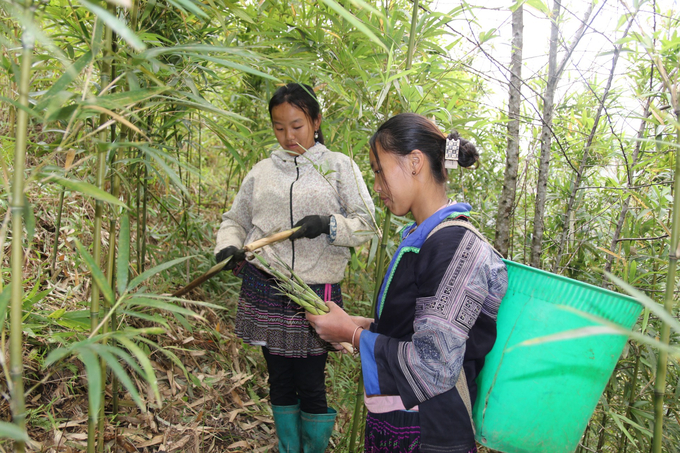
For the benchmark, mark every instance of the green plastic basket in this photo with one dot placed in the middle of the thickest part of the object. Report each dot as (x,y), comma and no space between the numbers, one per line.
(539,398)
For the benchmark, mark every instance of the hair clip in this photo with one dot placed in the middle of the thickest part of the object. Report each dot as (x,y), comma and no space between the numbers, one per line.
(451,153)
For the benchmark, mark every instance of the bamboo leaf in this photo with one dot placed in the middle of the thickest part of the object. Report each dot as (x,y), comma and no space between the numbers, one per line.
(632,423)
(100,348)
(571,335)
(191,302)
(12,431)
(94,380)
(123,259)
(156,319)
(123,377)
(144,361)
(86,189)
(614,329)
(123,3)
(644,300)
(368,7)
(202,104)
(153,271)
(125,98)
(5,297)
(156,51)
(170,355)
(71,73)
(189,5)
(99,277)
(56,355)
(116,117)
(29,219)
(160,160)
(161,305)
(20,106)
(238,67)
(116,25)
(78,320)
(349,17)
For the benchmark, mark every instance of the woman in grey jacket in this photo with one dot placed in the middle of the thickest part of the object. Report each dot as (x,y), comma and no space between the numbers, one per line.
(301,184)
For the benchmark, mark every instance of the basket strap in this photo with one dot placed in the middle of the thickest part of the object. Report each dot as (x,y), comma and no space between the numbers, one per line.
(461,383)
(464,224)
(464,392)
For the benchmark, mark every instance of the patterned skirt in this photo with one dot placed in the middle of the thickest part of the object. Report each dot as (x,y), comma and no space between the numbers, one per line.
(266,318)
(394,432)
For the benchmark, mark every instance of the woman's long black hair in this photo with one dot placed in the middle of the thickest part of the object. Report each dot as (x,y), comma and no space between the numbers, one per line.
(301,96)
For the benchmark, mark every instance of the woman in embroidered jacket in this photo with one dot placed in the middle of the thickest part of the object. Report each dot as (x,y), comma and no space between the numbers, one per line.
(301,184)
(436,315)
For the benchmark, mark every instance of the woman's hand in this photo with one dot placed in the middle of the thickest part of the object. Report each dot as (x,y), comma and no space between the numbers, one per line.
(336,325)
(363,322)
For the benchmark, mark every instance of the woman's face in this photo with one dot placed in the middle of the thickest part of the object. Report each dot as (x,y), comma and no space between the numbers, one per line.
(393,181)
(293,128)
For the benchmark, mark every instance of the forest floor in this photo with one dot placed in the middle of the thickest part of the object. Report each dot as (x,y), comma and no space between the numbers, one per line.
(219,405)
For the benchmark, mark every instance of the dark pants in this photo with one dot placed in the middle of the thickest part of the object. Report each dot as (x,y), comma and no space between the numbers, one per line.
(292,380)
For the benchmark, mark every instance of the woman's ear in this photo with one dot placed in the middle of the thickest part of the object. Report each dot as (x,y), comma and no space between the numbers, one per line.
(416,160)
(317,123)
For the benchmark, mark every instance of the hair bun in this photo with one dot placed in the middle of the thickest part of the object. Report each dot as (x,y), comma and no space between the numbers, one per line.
(467,152)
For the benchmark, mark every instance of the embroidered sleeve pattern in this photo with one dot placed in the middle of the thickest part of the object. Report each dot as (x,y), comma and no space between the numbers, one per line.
(432,361)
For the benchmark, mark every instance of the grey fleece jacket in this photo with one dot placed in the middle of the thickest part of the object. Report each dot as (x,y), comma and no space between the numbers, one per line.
(281,190)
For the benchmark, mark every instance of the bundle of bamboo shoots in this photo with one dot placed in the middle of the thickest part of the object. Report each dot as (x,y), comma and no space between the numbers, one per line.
(297,290)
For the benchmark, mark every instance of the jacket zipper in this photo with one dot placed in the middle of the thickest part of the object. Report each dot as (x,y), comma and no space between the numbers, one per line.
(297,176)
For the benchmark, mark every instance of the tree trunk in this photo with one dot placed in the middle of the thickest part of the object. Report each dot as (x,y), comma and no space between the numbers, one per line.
(576,184)
(554,73)
(506,202)
(546,140)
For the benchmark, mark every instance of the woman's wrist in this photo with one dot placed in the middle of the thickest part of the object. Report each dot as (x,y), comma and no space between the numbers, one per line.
(356,343)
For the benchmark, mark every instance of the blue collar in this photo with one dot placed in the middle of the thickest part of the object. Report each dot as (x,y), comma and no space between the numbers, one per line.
(413,237)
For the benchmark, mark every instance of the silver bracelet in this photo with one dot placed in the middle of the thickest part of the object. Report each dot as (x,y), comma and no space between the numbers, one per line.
(356,348)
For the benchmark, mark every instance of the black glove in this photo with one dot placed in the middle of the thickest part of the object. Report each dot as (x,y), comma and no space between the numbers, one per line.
(237,256)
(312,226)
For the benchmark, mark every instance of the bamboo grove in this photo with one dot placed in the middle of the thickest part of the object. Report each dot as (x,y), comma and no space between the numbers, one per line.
(127,127)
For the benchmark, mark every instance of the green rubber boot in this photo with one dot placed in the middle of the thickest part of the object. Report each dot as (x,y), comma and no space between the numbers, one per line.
(287,421)
(316,430)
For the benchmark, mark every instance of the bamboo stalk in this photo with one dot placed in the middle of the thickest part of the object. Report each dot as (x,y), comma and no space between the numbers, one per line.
(55,249)
(138,212)
(145,211)
(111,258)
(378,276)
(412,36)
(17,202)
(277,237)
(96,421)
(662,363)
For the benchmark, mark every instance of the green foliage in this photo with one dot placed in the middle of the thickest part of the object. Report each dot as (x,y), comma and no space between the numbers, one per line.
(185,116)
